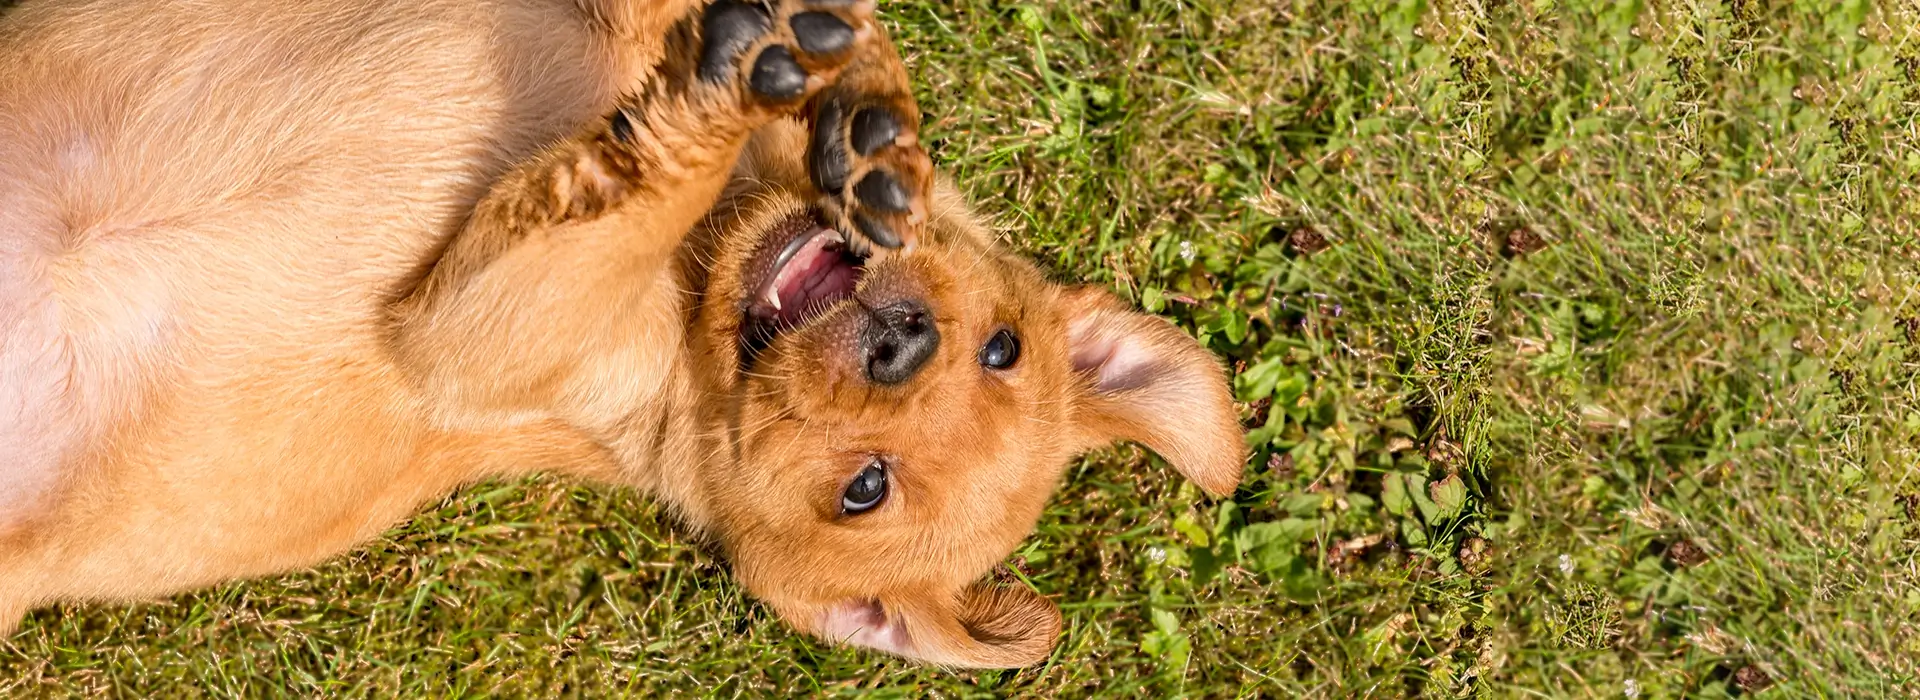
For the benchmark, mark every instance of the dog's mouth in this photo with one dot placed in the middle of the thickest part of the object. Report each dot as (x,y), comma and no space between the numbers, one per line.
(803,269)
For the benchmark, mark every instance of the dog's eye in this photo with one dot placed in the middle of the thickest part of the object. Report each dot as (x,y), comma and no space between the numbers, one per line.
(1001,351)
(869,487)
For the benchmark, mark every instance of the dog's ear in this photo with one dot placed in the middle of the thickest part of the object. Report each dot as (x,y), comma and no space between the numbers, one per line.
(984,626)
(1143,379)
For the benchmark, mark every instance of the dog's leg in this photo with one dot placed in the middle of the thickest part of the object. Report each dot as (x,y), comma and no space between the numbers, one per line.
(864,155)
(13,609)
(566,258)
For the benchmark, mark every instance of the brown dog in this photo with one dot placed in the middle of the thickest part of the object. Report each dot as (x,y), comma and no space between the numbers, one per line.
(274,273)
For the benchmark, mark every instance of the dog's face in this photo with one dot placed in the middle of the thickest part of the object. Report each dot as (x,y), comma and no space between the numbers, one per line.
(897,422)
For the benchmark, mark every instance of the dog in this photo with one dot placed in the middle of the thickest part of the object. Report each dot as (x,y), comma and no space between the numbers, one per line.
(274,274)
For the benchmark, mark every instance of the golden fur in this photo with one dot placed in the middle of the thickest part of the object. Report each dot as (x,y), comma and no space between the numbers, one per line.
(273,274)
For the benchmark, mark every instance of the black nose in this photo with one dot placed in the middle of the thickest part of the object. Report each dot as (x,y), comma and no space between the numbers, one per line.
(898,340)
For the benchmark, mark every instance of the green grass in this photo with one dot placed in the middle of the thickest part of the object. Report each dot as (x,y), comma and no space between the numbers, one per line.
(1579,339)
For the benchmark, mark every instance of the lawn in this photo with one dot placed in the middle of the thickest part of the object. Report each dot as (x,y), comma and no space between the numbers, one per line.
(1577,340)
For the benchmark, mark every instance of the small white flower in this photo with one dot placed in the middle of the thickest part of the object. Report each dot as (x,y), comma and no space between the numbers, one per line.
(1186,251)
(1566,565)
(1633,688)
(1157,554)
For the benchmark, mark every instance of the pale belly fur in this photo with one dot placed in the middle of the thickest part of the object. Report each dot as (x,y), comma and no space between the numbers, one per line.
(203,211)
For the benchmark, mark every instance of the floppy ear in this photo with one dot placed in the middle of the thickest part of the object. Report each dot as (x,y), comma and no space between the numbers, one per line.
(984,626)
(1144,380)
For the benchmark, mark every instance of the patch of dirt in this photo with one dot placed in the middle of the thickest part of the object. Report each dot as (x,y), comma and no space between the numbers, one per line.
(1750,679)
(1344,554)
(1280,464)
(1686,553)
(1475,555)
(1306,241)
(1522,241)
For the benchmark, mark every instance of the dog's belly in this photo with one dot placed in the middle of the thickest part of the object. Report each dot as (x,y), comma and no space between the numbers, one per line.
(33,429)
(206,208)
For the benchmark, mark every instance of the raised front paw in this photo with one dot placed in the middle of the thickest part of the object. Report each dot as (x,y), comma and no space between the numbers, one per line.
(775,55)
(747,63)
(865,155)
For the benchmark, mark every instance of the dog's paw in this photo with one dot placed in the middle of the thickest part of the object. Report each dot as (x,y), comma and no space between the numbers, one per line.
(775,55)
(865,155)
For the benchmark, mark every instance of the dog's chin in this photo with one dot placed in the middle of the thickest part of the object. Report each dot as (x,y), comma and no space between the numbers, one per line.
(802,270)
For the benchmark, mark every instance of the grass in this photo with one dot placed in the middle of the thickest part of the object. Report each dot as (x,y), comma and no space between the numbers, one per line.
(1578,340)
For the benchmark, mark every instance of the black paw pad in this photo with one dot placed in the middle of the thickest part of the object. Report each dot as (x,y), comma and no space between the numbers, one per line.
(876,231)
(880,191)
(821,33)
(827,155)
(874,129)
(728,28)
(777,75)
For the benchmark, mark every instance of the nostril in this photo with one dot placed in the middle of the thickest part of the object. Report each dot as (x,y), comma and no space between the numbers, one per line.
(907,317)
(898,340)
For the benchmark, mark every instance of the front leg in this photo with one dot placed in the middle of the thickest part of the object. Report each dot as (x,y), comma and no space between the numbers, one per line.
(555,295)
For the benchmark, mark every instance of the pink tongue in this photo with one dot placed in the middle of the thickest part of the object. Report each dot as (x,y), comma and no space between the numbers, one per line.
(800,273)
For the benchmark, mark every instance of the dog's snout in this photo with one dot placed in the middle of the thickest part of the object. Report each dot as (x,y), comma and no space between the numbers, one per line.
(898,340)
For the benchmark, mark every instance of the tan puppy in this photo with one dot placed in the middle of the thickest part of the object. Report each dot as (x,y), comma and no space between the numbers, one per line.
(273,273)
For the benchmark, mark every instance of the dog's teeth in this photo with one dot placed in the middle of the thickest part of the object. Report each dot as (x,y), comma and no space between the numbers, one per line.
(773,297)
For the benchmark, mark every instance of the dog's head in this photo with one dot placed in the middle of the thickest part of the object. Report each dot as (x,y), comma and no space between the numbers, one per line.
(896,423)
